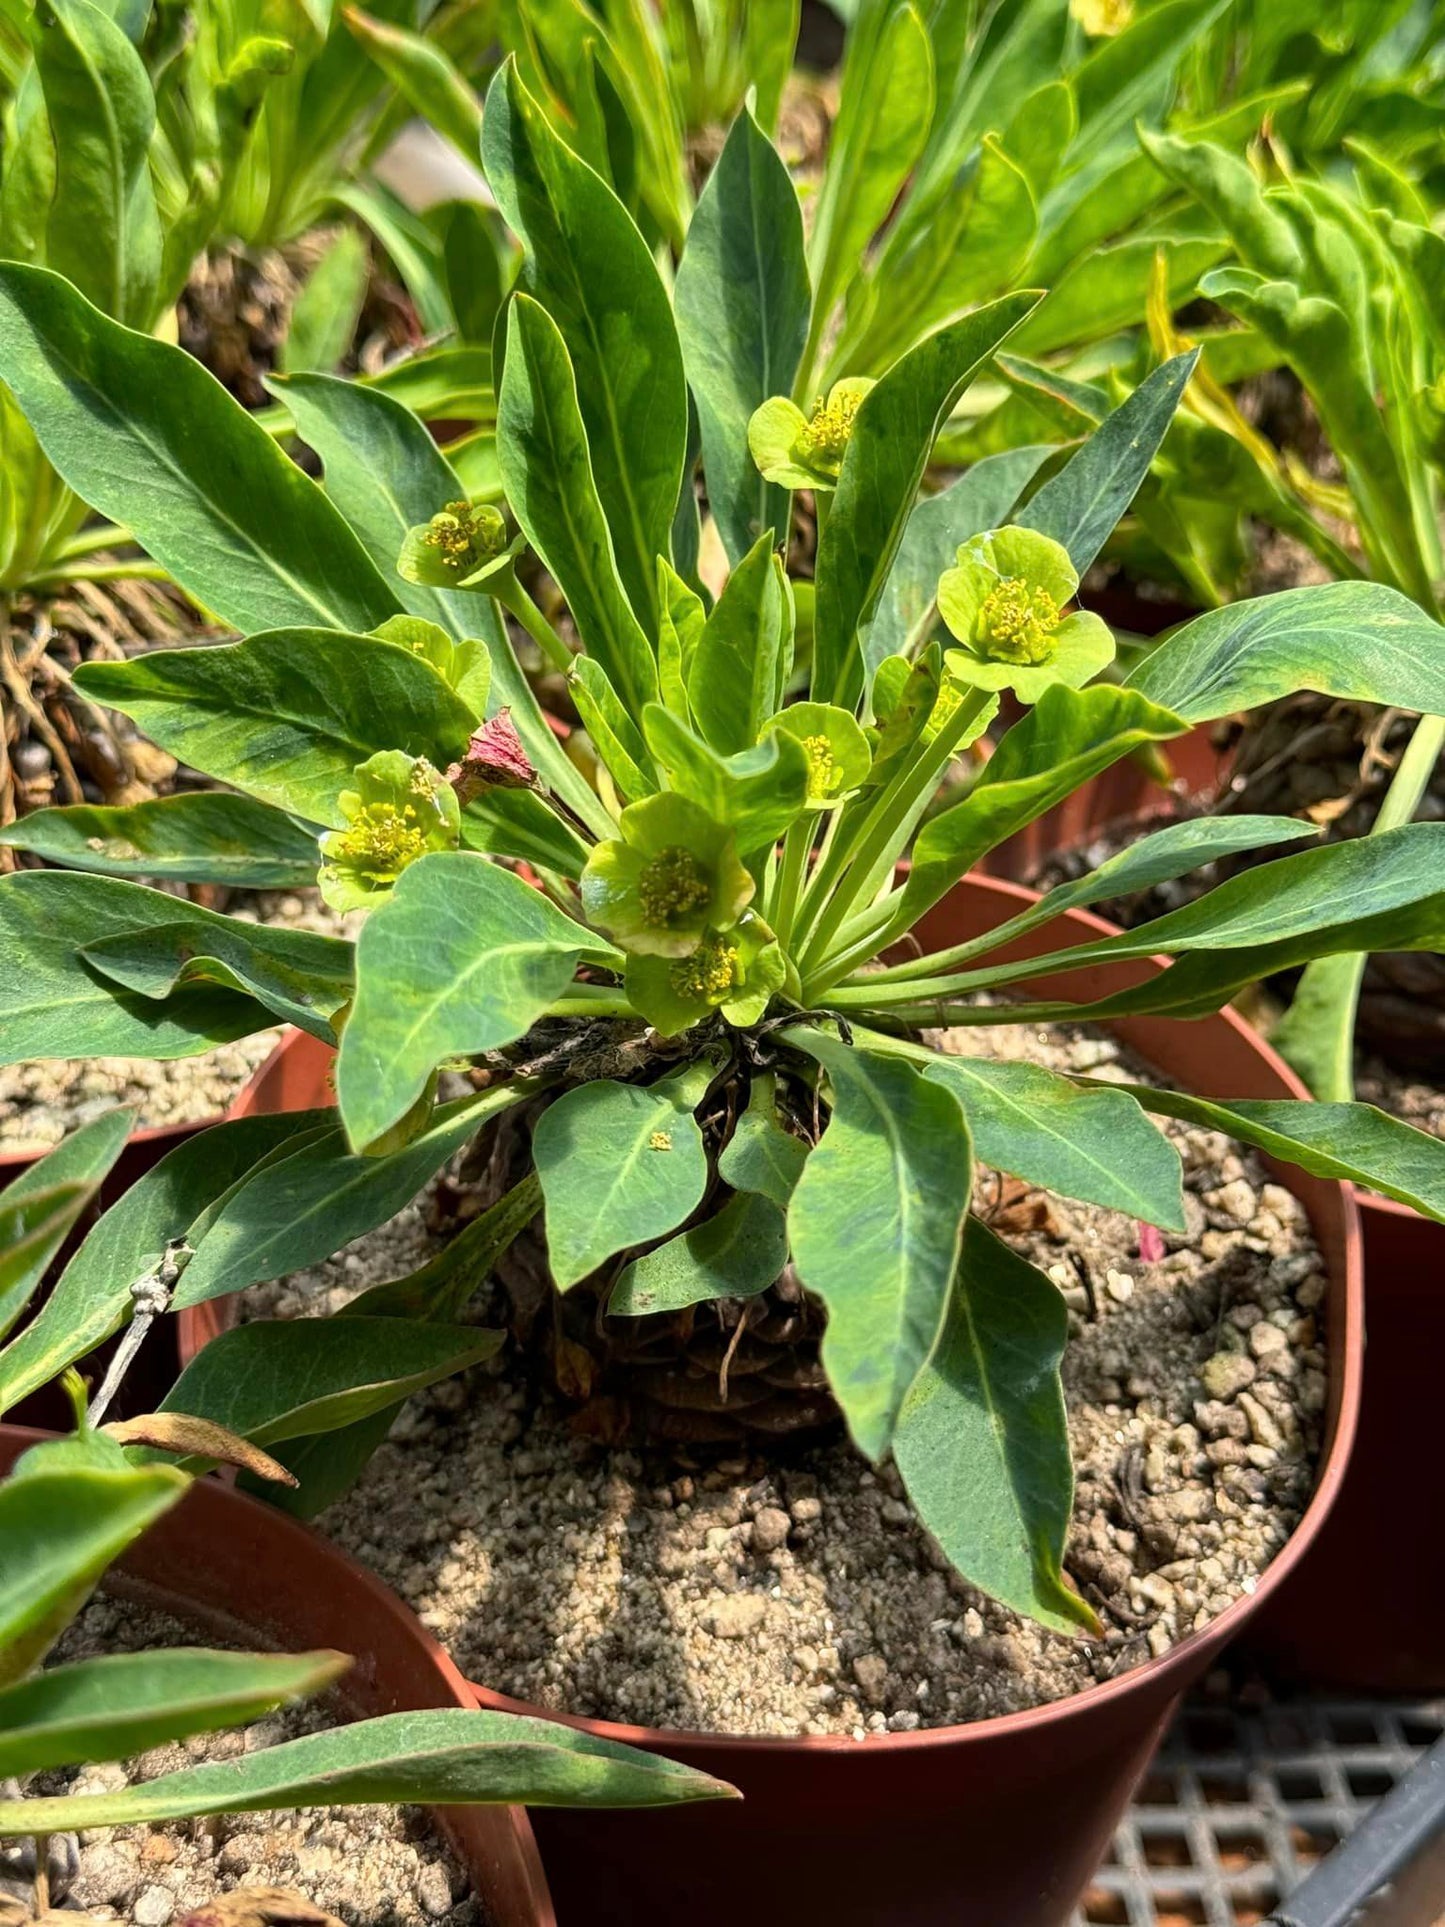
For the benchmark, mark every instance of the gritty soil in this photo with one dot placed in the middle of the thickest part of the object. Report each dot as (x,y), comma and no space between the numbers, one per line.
(369,1866)
(794,1591)
(42,1100)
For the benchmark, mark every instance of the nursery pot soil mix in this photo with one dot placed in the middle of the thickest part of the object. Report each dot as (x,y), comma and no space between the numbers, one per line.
(995,1824)
(248,1575)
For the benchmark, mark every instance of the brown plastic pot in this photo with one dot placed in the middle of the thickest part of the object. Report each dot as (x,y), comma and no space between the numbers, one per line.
(245,1573)
(1362,1610)
(997,1824)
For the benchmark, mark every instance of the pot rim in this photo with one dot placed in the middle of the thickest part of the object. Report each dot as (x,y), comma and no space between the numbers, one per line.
(13,1162)
(1181,1660)
(463,1827)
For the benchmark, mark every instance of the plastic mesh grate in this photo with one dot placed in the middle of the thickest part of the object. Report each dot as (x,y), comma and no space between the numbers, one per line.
(1243,1800)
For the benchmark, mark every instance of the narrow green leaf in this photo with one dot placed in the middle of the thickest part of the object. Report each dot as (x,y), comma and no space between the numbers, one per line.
(1358,640)
(1355,1142)
(386,475)
(144,434)
(736,1253)
(200,836)
(1165,854)
(1081,505)
(588,266)
(39,1207)
(983,1441)
(620,1164)
(300,976)
(325,313)
(875,1223)
(289,1378)
(425,76)
(447,1758)
(58,1006)
(101,232)
(125,1703)
(61,1528)
(1067,737)
(288,715)
(893,436)
(463,957)
(743,303)
(301,1208)
(92,1298)
(735,682)
(555,493)
(1094,1144)
(760,1155)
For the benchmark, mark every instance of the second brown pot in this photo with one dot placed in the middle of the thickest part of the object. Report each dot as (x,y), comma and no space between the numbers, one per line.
(245,1573)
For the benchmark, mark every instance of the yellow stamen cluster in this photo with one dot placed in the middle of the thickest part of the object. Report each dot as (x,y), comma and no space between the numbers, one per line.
(457,537)
(709,973)
(672,885)
(380,839)
(824,774)
(824,439)
(1016,623)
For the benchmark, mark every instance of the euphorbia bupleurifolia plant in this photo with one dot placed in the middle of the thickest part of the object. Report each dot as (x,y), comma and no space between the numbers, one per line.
(703,989)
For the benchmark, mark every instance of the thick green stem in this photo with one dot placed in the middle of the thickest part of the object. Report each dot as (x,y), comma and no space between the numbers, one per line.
(515,600)
(138,570)
(784,903)
(100,535)
(592,1000)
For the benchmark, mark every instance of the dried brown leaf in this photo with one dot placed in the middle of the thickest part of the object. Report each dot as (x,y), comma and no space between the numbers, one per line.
(198,1438)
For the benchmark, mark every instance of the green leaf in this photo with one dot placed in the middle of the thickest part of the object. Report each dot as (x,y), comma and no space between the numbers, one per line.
(620,1164)
(875,1223)
(1358,640)
(1081,505)
(39,1207)
(425,77)
(892,439)
(1377,893)
(451,1757)
(200,836)
(614,733)
(288,715)
(884,113)
(588,266)
(738,667)
(556,495)
(443,1287)
(325,313)
(299,976)
(57,1005)
(1105,289)
(938,527)
(146,436)
(61,1528)
(736,1253)
(1068,736)
(125,1703)
(1355,1142)
(757,792)
(289,1378)
(101,232)
(760,1155)
(1094,1144)
(983,1441)
(387,476)
(743,303)
(463,958)
(92,1298)
(298,1209)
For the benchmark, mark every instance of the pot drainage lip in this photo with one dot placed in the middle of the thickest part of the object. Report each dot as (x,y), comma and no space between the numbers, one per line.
(1246,1795)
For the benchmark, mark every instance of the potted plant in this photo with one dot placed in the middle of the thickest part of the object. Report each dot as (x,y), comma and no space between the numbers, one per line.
(720,928)
(72,1506)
